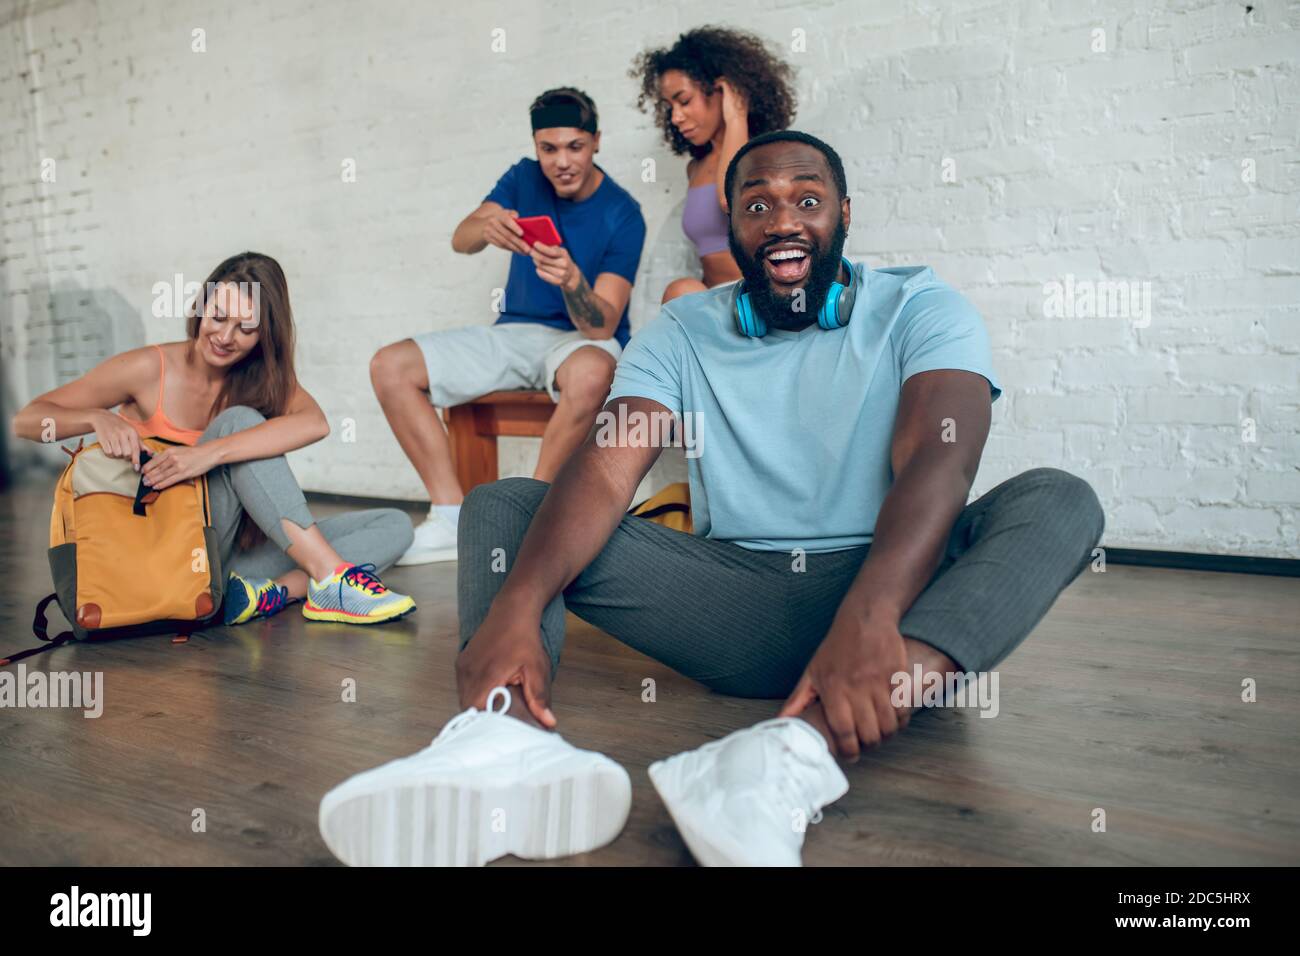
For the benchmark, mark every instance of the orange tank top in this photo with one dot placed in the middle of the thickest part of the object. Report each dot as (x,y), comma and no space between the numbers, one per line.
(158,425)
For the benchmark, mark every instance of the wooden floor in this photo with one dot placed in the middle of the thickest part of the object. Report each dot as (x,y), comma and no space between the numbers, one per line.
(1127,698)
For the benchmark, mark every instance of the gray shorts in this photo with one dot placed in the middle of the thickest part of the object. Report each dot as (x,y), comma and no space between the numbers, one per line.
(468,362)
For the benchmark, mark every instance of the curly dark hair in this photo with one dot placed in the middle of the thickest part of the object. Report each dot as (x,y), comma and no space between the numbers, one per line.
(706,53)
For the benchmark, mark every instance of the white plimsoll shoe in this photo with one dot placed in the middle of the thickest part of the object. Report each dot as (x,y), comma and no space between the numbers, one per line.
(435,540)
(745,800)
(488,785)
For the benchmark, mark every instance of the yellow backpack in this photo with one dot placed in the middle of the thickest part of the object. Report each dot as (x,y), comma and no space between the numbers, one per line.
(670,507)
(128,560)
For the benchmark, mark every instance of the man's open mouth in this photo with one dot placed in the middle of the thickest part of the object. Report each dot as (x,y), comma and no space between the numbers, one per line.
(787,265)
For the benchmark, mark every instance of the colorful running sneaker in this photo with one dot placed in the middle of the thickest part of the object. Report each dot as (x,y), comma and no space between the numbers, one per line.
(248,598)
(353,594)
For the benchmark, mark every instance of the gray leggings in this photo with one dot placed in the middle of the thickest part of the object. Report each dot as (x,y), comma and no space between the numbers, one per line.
(268,491)
(745,623)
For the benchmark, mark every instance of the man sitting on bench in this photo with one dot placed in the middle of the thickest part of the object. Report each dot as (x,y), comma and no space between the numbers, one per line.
(562,325)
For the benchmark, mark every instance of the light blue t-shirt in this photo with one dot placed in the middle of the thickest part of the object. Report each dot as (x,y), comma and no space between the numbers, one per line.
(793,429)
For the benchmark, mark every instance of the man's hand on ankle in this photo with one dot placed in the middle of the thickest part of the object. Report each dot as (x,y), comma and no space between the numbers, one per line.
(507,651)
(850,680)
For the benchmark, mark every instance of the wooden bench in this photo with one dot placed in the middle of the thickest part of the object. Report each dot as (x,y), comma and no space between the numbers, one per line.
(474,427)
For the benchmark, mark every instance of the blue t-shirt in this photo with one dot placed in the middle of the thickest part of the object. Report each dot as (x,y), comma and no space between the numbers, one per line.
(792,431)
(603,233)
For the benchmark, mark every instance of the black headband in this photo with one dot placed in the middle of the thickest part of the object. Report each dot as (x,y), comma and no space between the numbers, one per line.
(561,114)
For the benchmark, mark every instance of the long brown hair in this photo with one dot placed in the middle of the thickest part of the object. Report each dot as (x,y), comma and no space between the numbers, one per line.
(264,379)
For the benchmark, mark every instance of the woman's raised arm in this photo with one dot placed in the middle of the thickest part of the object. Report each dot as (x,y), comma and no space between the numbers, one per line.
(78,407)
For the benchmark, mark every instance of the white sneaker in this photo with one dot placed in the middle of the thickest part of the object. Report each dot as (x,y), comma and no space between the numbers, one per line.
(488,785)
(435,540)
(745,800)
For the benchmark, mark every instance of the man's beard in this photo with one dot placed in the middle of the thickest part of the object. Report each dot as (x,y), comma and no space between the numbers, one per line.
(798,309)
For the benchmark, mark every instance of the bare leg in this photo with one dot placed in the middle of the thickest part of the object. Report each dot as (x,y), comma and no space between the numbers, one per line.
(683,286)
(583,380)
(295,581)
(310,551)
(377,536)
(918,652)
(401,384)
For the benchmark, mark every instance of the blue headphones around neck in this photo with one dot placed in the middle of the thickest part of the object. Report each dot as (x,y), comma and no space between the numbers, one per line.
(834,313)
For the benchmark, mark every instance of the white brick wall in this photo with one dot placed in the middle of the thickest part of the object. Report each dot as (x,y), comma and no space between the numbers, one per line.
(1118,165)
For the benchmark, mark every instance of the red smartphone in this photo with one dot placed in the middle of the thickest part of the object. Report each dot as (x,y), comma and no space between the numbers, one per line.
(539,229)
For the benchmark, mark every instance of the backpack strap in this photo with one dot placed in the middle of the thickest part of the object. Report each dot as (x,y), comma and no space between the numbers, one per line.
(40,628)
(662,509)
(31,651)
(144,495)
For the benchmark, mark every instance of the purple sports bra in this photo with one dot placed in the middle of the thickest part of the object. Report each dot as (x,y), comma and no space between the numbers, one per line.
(703,220)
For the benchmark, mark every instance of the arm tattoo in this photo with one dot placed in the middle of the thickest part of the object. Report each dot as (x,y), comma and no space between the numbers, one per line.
(584,306)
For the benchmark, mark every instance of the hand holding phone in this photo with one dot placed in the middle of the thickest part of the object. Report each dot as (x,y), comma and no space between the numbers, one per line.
(539,229)
(500,230)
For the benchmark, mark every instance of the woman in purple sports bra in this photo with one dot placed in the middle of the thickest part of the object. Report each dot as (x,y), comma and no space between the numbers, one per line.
(712,90)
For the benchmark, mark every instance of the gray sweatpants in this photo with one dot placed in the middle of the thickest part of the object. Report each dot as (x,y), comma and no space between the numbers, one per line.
(745,623)
(268,491)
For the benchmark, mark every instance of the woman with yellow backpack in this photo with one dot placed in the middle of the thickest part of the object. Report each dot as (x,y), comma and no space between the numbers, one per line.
(226,403)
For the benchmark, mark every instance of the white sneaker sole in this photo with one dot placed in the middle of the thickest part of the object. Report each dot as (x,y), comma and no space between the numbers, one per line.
(426,556)
(442,822)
